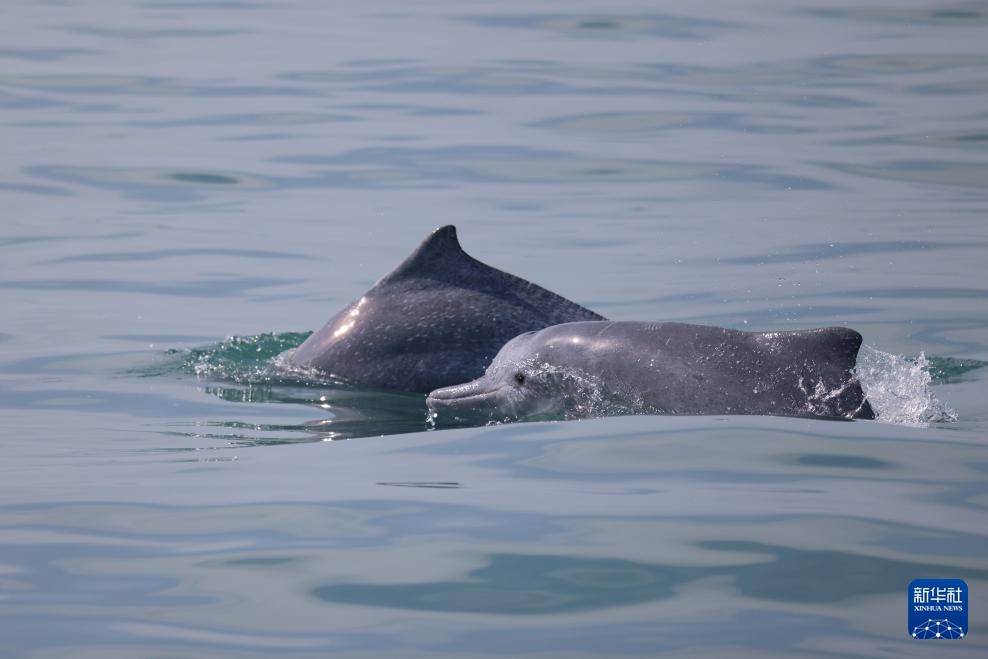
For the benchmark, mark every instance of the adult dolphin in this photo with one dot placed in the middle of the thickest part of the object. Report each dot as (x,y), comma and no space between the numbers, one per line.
(435,320)
(587,369)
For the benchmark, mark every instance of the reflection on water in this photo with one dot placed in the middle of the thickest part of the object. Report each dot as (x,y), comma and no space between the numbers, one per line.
(177,171)
(524,584)
(714,518)
(544,584)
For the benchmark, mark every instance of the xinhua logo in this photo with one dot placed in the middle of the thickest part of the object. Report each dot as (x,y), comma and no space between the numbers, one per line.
(937,608)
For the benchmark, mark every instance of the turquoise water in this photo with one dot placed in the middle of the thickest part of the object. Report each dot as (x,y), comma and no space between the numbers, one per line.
(174,174)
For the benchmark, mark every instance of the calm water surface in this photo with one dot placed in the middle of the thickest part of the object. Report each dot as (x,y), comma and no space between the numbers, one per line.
(175,173)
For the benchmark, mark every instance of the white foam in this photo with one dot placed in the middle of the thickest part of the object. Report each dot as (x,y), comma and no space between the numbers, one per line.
(898,389)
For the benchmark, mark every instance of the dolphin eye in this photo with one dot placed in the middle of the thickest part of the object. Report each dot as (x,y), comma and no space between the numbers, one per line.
(520,377)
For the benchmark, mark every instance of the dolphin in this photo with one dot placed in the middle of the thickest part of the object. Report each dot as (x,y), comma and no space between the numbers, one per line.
(604,368)
(435,320)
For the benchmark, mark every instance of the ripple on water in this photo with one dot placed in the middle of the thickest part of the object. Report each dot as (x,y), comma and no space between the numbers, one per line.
(838,461)
(532,78)
(961,15)
(45,54)
(257,369)
(191,5)
(158,254)
(972,139)
(935,172)
(814,78)
(944,370)
(152,183)
(204,178)
(215,287)
(403,167)
(252,120)
(516,164)
(635,123)
(840,250)
(143,86)
(899,63)
(520,584)
(43,190)
(952,87)
(607,26)
(144,33)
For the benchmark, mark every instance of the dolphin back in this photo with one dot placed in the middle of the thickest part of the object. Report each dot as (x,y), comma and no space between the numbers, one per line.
(436,320)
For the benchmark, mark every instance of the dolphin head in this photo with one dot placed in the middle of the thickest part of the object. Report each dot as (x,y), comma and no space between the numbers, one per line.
(517,385)
(536,375)
(521,391)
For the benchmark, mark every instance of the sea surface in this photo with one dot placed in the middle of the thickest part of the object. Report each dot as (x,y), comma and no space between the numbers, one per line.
(187,188)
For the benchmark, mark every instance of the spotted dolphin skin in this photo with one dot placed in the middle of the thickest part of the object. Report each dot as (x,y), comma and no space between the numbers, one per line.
(435,320)
(586,369)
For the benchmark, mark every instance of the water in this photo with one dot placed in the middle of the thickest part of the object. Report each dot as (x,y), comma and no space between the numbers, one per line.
(175,173)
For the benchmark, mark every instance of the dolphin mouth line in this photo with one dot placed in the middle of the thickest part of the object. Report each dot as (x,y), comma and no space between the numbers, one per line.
(459,400)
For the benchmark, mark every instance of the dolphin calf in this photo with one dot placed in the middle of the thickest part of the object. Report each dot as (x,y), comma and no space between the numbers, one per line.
(435,320)
(589,369)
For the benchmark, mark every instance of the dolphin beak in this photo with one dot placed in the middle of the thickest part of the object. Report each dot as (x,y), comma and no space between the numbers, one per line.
(465,401)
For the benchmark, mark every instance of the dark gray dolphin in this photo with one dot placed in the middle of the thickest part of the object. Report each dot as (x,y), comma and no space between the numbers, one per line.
(435,320)
(587,369)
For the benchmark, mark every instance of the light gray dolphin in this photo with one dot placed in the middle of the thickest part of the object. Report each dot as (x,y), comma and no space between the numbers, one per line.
(435,320)
(589,369)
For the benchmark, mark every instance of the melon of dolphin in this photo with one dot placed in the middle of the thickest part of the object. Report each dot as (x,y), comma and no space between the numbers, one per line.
(435,320)
(585,369)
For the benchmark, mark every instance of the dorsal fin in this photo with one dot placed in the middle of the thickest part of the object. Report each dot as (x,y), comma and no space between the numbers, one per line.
(436,248)
(839,344)
(442,239)
(836,346)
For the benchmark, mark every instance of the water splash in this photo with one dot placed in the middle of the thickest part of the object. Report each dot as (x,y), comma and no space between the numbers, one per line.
(581,395)
(257,359)
(821,400)
(587,396)
(899,388)
(258,369)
